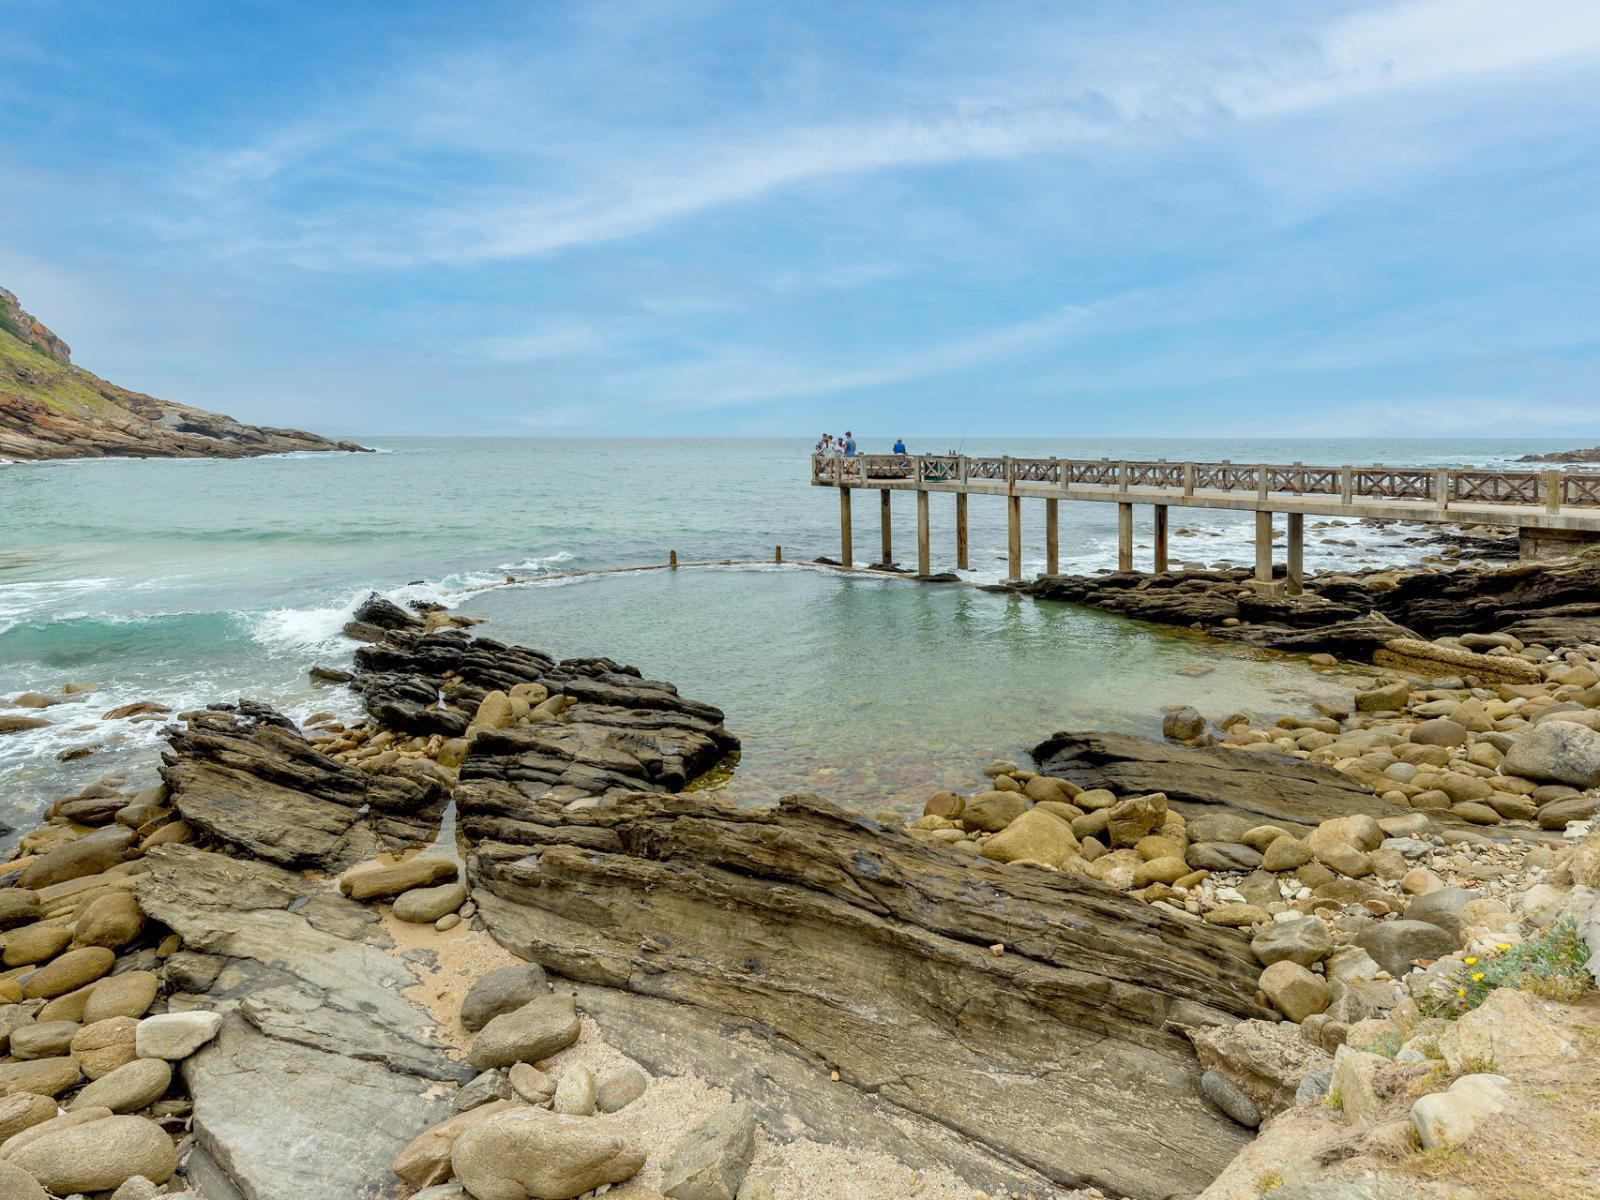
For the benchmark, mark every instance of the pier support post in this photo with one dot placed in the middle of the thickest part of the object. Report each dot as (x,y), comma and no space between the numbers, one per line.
(961,529)
(1161,538)
(1052,536)
(1263,546)
(922,533)
(1124,536)
(1297,554)
(846,537)
(1013,537)
(885,518)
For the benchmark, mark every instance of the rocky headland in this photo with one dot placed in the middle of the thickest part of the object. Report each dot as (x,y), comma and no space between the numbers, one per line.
(50,408)
(496,941)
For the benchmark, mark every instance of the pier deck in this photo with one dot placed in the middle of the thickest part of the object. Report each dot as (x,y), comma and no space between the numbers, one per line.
(1552,510)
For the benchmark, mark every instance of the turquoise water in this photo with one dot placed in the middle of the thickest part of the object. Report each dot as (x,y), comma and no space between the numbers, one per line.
(196,581)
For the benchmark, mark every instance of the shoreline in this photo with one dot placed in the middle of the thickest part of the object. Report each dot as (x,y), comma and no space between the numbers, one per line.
(481,765)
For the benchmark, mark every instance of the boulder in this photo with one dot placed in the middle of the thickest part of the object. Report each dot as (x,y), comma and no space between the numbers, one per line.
(501,991)
(1037,835)
(619,1088)
(1222,856)
(39,1076)
(24,1110)
(129,994)
(1449,1118)
(992,811)
(530,1154)
(130,1087)
(1227,1096)
(486,1088)
(89,855)
(1183,724)
(1359,830)
(99,1156)
(423,906)
(43,1039)
(1293,990)
(575,1093)
(68,973)
(1305,941)
(1266,1060)
(379,883)
(1439,731)
(1515,1031)
(532,1084)
(425,1159)
(1386,697)
(17,1184)
(112,921)
(18,906)
(175,1035)
(1354,1072)
(106,1045)
(1135,818)
(1557,752)
(1285,854)
(1441,907)
(1396,945)
(531,1033)
(35,943)
(710,1161)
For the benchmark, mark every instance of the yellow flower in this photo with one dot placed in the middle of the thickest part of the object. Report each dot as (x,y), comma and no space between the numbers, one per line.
(1477,977)
(1471,961)
(1461,991)
(1503,946)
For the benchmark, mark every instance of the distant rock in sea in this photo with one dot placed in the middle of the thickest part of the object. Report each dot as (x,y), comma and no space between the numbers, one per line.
(50,408)
(1591,455)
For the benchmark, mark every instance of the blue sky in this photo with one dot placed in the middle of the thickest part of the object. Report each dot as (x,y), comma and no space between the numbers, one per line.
(691,216)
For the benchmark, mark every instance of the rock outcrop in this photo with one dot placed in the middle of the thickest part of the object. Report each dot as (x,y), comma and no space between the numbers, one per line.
(1198,780)
(50,408)
(1028,1009)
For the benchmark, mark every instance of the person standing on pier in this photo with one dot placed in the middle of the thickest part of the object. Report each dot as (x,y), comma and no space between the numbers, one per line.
(849,444)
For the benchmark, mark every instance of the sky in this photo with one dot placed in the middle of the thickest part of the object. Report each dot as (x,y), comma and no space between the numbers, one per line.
(702,217)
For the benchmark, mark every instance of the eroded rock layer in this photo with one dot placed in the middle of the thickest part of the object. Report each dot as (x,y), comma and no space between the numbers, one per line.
(1028,1009)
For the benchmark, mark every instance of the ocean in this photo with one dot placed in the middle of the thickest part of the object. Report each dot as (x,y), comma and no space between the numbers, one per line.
(190,582)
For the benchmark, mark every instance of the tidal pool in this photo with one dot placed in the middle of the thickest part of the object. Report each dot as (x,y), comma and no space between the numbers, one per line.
(876,692)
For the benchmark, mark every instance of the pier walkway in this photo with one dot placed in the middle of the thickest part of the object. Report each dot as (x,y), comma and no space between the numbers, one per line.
(1552,510)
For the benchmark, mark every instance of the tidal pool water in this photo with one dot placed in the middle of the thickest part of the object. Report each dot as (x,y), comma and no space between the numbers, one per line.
(879,691)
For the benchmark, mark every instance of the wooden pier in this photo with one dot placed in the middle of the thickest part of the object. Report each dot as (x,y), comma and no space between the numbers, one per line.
(1553,511)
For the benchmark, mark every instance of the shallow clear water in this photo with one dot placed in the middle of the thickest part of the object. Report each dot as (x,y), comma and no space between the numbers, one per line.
(880,691)
(192,581)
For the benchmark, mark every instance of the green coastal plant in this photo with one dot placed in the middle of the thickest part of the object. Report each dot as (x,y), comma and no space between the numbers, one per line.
(1553,965)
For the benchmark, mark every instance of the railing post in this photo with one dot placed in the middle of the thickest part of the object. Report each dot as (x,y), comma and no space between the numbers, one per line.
(1552,490)
(1441,488)
(1188,479)
(1263,482)
(1347,484)
(961,468)
(1008,470)
(1124,474)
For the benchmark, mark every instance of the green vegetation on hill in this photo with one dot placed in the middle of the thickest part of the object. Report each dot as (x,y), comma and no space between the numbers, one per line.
(34,375)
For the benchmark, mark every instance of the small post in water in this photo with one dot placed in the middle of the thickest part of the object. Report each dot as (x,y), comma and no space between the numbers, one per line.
(777,554)
(672,559)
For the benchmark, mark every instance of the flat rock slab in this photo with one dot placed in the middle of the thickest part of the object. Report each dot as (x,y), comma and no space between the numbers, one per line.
(335,1123)
(1263,787)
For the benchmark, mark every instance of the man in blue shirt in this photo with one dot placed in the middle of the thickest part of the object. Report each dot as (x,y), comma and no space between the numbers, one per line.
(849,444)
(899,446)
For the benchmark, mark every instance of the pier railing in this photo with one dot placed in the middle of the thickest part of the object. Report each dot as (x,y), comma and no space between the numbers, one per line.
(1550,489)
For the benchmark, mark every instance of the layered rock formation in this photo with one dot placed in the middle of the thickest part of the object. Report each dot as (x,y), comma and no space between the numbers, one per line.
(50,408)
(1354,616)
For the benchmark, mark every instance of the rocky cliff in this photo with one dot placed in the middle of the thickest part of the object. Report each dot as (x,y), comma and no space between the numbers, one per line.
(50,408)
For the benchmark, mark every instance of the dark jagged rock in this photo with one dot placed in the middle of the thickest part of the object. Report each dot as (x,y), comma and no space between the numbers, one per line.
(1258,786)
(244,775)
(1358,638)
(386,614)
(871,951)
(1482,601)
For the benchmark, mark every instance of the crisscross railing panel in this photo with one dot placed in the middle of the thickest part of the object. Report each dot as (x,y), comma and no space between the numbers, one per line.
(1385,483)
(1225,477)
(1497,487)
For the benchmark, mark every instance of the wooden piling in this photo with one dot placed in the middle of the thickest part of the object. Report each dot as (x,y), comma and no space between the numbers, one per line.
(1124,535)
(922,533)
(1161,537)
(846,536)
(1264,546)
(961,532)
(1052,536)
(1297,554)
(885,514)
(1013,537)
